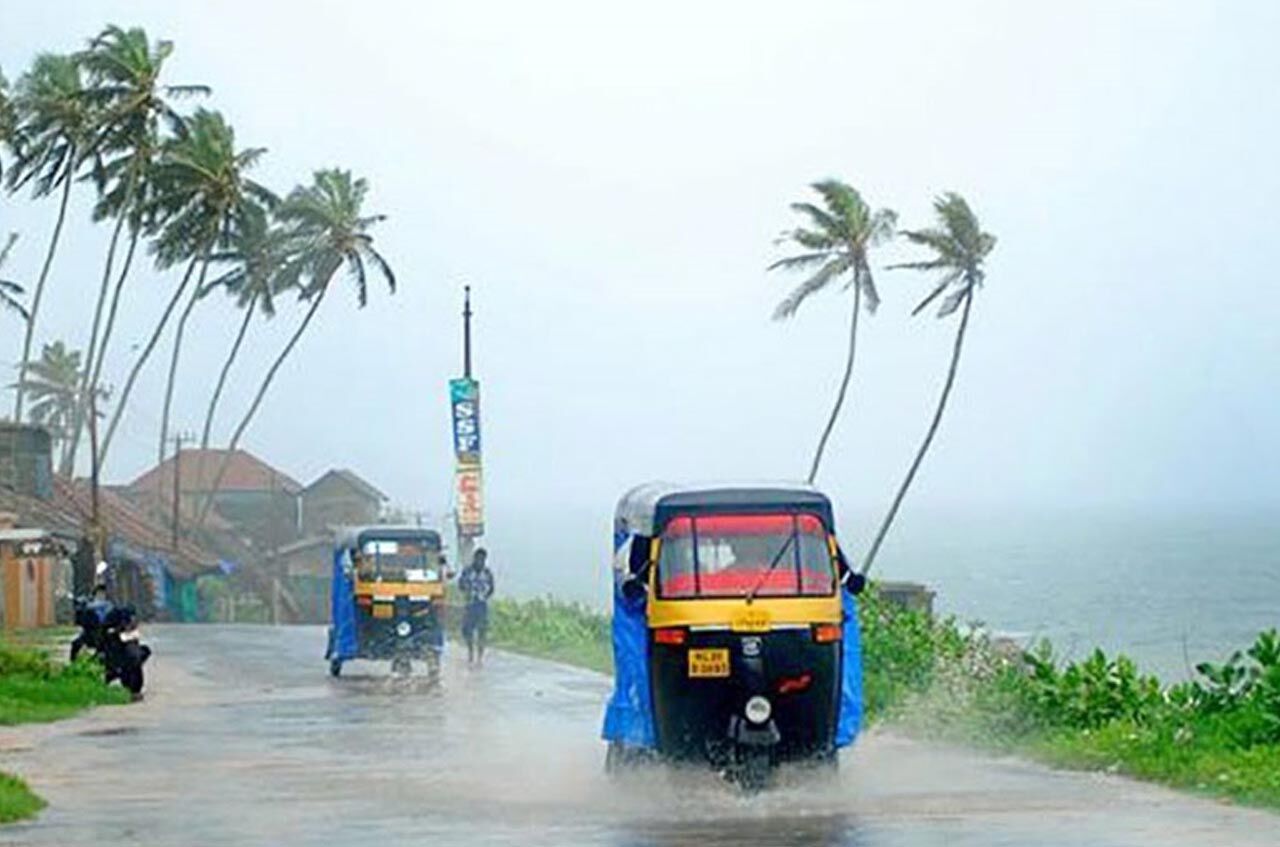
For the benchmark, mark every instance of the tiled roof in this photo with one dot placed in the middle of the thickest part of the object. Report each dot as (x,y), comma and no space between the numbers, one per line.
(134,526)
(199,469)
(352,479)
(35,513)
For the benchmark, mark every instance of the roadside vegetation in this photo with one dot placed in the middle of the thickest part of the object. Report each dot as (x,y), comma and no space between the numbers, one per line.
(1218,734)
(36,689)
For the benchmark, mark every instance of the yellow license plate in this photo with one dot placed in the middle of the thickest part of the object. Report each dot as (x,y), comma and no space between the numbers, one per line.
(383,610)
(751,620)
(708,663)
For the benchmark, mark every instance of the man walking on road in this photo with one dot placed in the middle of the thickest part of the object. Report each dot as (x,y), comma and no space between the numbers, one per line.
(476,584)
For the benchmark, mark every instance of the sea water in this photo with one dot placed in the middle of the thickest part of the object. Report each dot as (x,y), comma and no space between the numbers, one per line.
(1169,588)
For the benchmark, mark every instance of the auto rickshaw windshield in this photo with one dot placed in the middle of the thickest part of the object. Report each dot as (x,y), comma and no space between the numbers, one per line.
(732,555)
(398,561)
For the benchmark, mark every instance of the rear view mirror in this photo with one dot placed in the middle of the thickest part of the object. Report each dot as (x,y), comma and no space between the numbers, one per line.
(634,589)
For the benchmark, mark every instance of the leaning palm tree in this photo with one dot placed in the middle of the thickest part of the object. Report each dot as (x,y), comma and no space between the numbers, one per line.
(836,242)
(960,250)
(124,69)
(332,233)
(203,190)
(200,189)
(8,118)
(10,291)
(54,131)
(53,385)
(259,250)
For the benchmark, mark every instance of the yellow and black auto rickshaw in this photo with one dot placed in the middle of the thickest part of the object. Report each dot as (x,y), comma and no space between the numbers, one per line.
(388,597)
(734,630)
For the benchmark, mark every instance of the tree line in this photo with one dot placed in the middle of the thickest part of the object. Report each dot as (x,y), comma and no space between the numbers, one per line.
(836,238)
(173,186)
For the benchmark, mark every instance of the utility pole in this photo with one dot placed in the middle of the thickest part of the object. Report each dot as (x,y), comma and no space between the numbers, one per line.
(97,536)
(466,332)
(178,439)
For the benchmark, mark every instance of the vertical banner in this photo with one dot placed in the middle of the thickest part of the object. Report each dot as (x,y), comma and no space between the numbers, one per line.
(469,494)
(464,395)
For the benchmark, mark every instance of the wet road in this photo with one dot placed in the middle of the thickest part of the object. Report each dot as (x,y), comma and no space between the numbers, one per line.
(244,739)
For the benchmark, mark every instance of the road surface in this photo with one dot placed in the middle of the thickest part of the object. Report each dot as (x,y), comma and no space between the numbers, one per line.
(244,739)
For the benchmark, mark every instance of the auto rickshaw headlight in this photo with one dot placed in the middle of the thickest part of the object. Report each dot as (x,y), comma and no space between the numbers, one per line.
(758,709)
(403,629)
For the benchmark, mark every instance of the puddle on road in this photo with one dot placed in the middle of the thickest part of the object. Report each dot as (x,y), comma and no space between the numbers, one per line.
(108,731)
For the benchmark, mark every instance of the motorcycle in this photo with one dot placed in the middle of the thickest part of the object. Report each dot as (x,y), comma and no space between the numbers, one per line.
(112,633)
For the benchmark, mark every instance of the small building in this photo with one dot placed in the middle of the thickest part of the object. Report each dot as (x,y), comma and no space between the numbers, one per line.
(147,569)
(35,572)
(338,498)
(260,501)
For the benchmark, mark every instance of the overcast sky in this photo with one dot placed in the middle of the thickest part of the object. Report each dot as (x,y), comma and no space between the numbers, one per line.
(610,178)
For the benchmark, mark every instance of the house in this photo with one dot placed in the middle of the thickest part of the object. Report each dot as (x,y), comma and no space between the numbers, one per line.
(35,572)
(38,536)
(338,498)
(260,501)
(147,567)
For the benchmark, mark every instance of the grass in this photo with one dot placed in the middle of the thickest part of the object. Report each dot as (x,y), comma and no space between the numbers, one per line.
(17,801)
(35,689)
(552,629)
(934,679)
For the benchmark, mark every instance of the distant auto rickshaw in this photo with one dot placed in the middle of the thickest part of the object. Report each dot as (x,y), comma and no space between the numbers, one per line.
(388,598)
(735,631)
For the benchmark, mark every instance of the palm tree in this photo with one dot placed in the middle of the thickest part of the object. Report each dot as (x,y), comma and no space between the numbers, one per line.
(836,243)
(52,382)
(8,117)
(257,253)
(203,191)
(332,233)
(10,291)
(125,68)
(960,250)
(55,124)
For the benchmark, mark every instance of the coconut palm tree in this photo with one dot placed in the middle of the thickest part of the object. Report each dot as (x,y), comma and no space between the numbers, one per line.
(53,385)
(259,250)
(203,190)
(836,241)
(8,118)
(54,131)
(199,189)
(124,69)
(10,291)
(960,249)
(332,233)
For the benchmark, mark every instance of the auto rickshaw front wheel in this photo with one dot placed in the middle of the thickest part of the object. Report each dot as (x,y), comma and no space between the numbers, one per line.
(754,769)
(335,667)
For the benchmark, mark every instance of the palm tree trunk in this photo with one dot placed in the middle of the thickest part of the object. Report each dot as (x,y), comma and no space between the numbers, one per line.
(257,401)
(123,400)
(177,351)
(844,383)
(94,375)
(207,431)
(928,439)
(71,445)
(39,292)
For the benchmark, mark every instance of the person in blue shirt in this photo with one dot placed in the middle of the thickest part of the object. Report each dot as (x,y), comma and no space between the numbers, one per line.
(476,585)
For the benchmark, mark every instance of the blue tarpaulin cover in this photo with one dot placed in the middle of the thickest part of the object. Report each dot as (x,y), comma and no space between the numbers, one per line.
(850,719)
(629,715)
(342,628)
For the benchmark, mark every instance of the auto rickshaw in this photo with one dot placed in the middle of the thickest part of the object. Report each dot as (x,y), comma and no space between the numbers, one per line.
(735,630)
(388,597)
